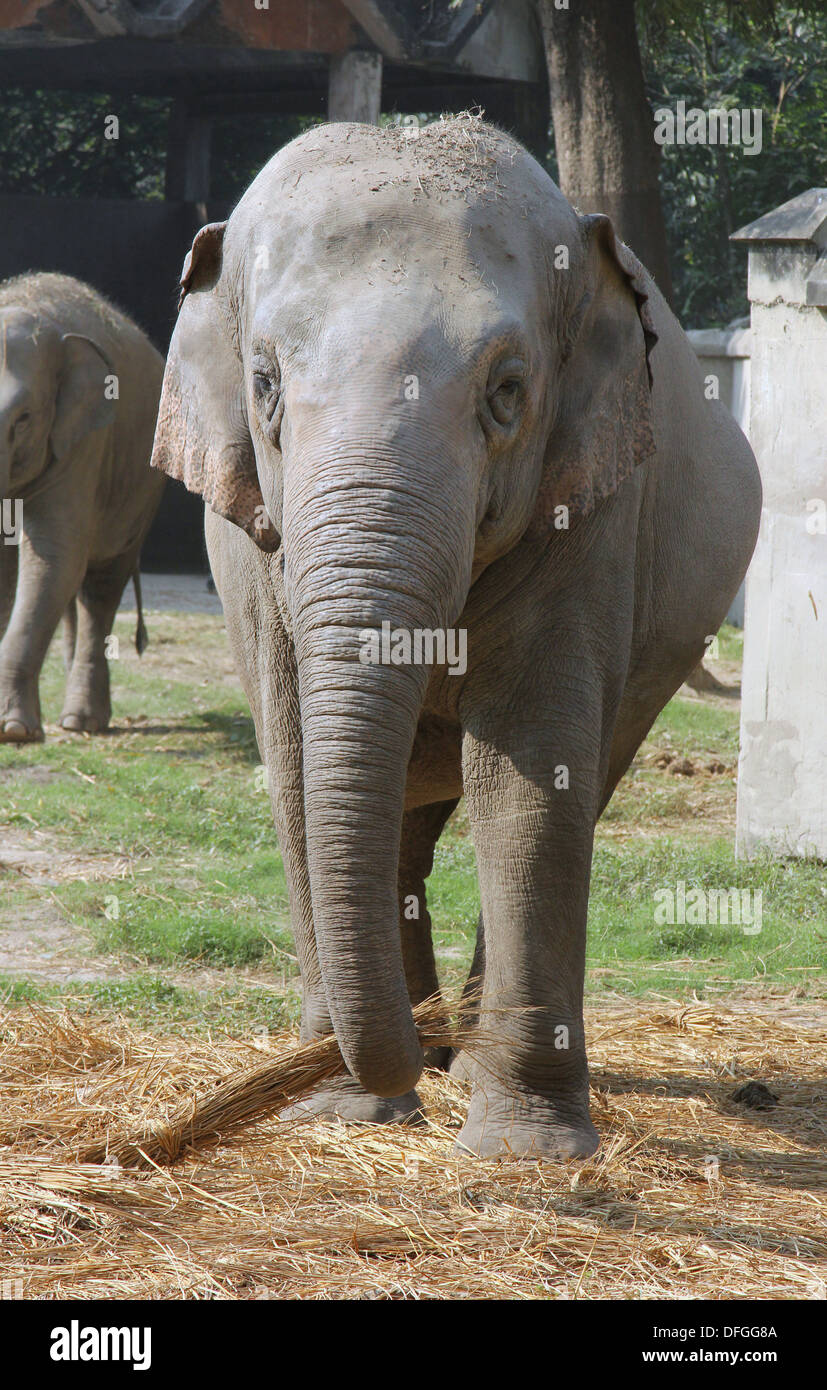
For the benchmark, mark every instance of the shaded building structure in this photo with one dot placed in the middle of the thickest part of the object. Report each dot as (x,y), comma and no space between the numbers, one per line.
(214,59)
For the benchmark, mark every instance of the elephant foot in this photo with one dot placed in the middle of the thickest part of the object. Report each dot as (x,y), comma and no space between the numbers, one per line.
(346,1100)
(82,724)
(526,1126)
(87,707)
(461,1068)
(14,730)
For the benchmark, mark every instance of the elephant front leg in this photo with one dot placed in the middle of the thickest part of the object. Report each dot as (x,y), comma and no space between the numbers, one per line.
(421,829)
(8,580)
(531,813)
(50,571)
(87,704)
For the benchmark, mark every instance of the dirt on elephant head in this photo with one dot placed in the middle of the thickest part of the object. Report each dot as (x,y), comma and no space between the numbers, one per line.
(461,156)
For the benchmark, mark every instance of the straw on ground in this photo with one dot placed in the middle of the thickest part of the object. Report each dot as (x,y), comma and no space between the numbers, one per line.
(691,1194)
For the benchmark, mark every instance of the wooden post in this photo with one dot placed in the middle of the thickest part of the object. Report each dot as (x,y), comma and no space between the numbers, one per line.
(354,90)
(187,178)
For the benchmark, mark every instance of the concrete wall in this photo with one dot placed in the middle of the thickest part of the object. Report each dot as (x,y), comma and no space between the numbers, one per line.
(724,353)
(782,774)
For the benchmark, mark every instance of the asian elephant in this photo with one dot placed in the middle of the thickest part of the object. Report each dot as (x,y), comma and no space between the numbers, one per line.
(417,389)
(79,389)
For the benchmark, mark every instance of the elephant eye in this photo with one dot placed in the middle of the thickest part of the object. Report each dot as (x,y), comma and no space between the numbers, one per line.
(267,395)
(505,392)
(23,419)
(264,383)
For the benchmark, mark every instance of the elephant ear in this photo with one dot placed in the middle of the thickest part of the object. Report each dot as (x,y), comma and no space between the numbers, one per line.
(202,437)
(602,428)
(83,402)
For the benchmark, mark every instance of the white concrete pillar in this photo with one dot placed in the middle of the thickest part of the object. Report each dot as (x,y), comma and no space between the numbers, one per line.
(354,90)
(782,772)
(724,358)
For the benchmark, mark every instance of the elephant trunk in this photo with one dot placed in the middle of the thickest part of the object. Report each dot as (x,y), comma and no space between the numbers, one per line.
(352,565)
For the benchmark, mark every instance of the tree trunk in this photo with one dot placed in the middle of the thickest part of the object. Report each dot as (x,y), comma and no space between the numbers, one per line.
(603,126)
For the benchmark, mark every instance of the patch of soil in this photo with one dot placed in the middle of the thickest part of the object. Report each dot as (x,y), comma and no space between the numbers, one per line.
(40,776)
(39,943)
(34,855)
(198,655)
(676,766)
(726,676)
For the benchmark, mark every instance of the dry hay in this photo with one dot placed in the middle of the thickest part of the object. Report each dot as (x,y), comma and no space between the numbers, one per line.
(689,1196)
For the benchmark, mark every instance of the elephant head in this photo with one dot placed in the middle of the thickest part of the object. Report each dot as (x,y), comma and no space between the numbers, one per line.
(52,394)
(396,362)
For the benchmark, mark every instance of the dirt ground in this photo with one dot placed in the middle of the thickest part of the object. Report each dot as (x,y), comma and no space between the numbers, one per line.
(173,593)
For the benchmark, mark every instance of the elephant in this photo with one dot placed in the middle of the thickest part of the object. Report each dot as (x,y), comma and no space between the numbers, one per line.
(421,394)
(79,391)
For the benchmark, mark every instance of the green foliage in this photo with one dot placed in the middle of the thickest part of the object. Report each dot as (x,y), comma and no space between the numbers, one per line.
(54,144)
(757,55)
(708,53)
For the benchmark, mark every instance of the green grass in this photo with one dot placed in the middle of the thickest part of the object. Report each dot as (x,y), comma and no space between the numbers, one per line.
(149,1000)
(690,726)
(172,804)
(630,949)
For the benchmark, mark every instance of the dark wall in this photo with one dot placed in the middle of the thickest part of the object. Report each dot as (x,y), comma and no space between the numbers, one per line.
(132,252)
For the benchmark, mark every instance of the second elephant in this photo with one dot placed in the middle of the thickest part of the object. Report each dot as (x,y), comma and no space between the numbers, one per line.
(79,389)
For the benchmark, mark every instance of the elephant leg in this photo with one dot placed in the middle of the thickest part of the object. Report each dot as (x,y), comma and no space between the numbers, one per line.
(70,633)
(459,1065)
(87,705)
(534,766)
(50,571)
(421,829)
(530,1091)
(8,582)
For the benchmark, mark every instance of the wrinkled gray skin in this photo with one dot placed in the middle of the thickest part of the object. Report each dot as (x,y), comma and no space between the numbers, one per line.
(79,462)
(355,261)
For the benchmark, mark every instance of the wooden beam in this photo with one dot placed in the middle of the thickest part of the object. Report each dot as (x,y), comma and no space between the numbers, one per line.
(354,90)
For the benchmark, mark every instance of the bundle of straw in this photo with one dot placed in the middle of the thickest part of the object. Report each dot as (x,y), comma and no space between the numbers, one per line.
(247,1098)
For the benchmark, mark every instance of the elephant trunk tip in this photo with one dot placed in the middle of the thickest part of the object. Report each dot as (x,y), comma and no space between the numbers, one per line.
(392,1073)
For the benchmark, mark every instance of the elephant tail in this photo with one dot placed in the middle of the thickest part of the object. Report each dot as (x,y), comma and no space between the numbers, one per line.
(141,634)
